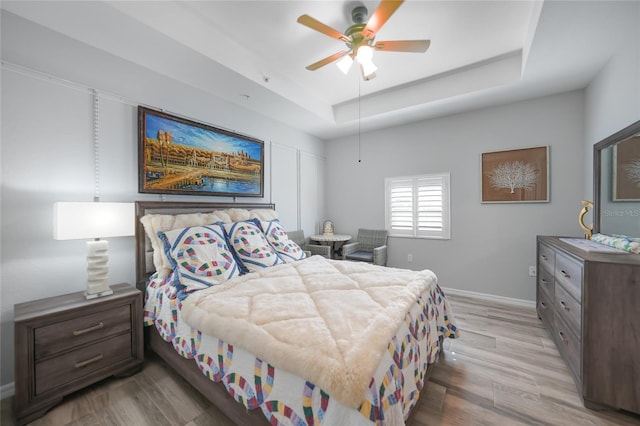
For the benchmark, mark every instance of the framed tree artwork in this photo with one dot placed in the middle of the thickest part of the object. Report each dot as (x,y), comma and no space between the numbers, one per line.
(180,156)
(626,170)
(516,176)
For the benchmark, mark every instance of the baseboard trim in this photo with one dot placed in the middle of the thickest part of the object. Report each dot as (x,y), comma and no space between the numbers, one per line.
(490,297)
(7,390)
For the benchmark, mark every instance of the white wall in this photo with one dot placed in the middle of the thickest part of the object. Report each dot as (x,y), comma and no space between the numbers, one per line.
(492,245)
(612,102)
(47,156)
(613,97)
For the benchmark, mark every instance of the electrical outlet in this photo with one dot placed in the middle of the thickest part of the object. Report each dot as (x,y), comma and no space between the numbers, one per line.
(409,258)
(532,271)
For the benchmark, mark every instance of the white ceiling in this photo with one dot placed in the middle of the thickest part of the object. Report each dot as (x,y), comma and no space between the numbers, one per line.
(254,53)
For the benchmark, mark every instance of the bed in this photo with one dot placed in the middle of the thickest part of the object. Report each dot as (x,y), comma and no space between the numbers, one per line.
(298,342)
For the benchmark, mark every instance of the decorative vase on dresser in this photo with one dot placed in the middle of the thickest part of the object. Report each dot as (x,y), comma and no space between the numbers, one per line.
(590,303)
(65,343)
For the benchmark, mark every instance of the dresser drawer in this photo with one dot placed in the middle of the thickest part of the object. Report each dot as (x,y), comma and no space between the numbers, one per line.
(546,257)
(569,345)
(568,272)
(59,336)
(545,282)
(569,309)
(63,369)
(545,309)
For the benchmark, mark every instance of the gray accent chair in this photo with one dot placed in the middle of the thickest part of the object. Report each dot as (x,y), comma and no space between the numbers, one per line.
(370,246)
(309,249)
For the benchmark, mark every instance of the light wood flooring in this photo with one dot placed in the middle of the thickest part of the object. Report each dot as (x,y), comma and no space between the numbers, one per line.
(504,370)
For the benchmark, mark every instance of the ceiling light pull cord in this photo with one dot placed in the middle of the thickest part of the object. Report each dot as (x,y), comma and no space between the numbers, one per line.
(359,126)
(96,145)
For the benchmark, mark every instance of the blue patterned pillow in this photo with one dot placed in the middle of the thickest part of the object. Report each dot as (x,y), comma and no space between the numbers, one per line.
(288,250)
(250,245)
(200,255)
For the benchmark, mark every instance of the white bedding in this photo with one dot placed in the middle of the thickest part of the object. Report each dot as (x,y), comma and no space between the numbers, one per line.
(326,320)
(285,398)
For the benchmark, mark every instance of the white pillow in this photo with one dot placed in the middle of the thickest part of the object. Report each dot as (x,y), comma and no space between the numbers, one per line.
(251,246)
(200,255)
(154,223)
(263,214)
(287,249)
(237,215)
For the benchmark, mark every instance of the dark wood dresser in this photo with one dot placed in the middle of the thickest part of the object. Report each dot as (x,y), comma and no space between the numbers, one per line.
(590,303)
(65,343)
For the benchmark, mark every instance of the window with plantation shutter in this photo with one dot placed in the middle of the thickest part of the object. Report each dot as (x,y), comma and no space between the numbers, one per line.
(418,206)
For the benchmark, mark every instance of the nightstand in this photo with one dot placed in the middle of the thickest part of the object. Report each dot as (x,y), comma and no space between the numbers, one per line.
(65,343)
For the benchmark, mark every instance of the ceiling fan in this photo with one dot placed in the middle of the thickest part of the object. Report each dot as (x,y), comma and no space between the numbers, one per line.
(359,39)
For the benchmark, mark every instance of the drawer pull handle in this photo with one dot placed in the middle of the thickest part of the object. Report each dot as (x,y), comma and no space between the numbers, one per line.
(89,361)
(98,326)
(544,305)
(543,257)
(564,274)
(565,306)
(544,281)
(562,336)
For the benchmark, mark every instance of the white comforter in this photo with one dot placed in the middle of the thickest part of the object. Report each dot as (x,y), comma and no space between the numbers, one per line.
(329,322)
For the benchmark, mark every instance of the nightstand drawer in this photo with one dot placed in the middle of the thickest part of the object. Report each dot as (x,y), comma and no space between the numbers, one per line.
(59,336)
(63,369)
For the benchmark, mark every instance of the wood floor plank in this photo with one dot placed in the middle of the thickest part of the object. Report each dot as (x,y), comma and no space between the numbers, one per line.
(138,409)
(175,398)
(503,370)
(459,411)
(210,417)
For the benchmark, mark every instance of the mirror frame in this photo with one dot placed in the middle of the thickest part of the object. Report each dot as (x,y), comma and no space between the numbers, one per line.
(619,136)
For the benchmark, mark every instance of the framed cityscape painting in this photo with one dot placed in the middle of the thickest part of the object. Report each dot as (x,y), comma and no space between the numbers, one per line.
(180,156)
(518,175)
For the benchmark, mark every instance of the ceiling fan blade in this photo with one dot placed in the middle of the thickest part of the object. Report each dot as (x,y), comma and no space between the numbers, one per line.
(314,24)
(327,60)
(418,46)
(385,9)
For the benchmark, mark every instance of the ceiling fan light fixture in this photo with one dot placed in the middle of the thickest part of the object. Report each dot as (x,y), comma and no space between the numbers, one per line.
(364,55)
(345,64)
(359,38)
(368,69)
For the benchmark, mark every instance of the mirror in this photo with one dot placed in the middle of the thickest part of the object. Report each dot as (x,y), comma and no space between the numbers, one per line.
(616,183)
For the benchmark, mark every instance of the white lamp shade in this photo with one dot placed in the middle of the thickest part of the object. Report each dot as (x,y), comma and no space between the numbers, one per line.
(86,220)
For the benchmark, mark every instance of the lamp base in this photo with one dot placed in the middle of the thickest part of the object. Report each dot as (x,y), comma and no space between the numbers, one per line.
(97,269)
(89,296)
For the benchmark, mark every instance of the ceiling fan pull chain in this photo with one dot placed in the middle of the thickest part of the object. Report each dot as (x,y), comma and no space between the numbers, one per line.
(359,124)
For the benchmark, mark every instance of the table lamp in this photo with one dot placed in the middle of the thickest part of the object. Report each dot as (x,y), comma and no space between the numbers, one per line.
(85,220)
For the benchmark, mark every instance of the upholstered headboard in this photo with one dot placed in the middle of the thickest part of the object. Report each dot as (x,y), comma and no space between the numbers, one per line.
(144,252)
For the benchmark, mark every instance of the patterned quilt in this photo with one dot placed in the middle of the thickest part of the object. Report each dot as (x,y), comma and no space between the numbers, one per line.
(287,398)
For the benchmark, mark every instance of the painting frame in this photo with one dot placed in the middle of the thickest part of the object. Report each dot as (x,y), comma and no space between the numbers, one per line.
(180,156)
(626,154)
(518,175)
